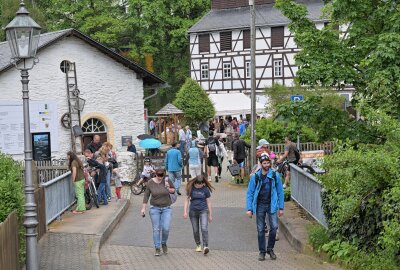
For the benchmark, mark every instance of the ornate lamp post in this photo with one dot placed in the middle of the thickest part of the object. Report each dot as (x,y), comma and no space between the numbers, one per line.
(23,37)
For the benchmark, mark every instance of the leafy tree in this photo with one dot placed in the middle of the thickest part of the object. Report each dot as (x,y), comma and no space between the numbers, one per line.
(103,20)
(194,102)
(366,55)
(159,28)
(8,8)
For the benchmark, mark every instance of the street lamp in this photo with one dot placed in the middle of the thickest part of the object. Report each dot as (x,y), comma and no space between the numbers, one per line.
(23,37)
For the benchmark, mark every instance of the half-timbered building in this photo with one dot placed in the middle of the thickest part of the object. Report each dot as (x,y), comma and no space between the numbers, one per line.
(220,46)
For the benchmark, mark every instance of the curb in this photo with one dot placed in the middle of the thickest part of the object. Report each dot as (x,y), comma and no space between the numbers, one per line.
(101,238)
(297,238)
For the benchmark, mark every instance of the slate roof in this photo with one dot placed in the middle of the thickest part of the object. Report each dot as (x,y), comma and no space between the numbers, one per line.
(237,18)
(169,109)
(48,39)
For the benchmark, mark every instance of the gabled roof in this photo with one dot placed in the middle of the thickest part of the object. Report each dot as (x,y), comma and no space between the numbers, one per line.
(169,109)
(48,39)
(238,18)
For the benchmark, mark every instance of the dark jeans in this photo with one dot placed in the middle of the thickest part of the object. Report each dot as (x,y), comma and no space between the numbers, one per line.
(195,218)
(182,147)
(262,211)
(220,166)
(101,193)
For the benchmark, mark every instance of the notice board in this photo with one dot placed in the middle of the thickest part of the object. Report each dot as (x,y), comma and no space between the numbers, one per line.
(43,118)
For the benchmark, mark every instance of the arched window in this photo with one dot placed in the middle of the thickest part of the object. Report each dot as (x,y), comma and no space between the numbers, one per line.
(93,125)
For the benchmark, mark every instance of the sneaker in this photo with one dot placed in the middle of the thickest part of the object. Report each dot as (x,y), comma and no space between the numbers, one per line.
(158,252)
(209,179)
(261,257)
(271,254)
(237,181)
(216,179)
(178,192)
(164,248)
(284,186)
(241,181)
(198,248)
(109,199)
(206,250)
(277,237)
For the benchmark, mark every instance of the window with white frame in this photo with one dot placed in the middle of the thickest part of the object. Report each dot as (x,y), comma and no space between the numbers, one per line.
(248,69)
(204,71)
(278,68)
(227,70)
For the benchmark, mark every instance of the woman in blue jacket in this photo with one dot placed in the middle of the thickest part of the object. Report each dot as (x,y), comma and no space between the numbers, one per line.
(265,197)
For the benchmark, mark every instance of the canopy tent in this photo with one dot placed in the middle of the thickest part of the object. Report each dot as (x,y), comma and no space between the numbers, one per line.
(233,104)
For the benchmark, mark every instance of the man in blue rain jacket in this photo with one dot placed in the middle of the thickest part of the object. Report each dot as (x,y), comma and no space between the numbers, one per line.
(265,197)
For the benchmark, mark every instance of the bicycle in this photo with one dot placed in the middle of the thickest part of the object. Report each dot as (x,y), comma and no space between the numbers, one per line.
(139,189)
(90,190)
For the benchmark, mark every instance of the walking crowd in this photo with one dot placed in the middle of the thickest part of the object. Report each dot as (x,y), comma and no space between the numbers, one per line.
(264,197)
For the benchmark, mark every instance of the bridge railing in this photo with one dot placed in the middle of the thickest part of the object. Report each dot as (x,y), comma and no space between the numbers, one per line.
(59,194)
(306,191)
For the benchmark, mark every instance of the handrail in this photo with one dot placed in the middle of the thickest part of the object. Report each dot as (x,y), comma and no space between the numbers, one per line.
(58,178)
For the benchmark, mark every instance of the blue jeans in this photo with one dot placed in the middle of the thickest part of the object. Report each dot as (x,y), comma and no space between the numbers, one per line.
(108,187)
(176,178)
(101,193)
(182,147)
(262,211)
(160,219)
(195,218)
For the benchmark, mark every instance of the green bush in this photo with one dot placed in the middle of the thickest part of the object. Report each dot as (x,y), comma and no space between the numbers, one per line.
(11,195)
(350,256)
(286,194)
(361,198)
(318,236)
(276,131)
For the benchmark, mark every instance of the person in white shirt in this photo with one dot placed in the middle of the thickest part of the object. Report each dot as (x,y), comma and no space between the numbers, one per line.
(182,140)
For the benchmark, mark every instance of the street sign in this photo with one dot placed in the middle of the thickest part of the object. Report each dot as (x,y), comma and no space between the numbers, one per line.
(296,98)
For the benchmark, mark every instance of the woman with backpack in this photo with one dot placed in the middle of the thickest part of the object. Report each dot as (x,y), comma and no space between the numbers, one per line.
(198,201)
(158,190)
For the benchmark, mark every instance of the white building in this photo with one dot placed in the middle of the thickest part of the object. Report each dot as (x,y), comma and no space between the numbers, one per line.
(71,64)
(220,46)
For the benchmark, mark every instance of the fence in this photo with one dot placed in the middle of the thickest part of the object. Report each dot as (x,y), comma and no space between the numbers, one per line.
(9,243)
(327,147)
(306,191)
(46,170)
(59,194)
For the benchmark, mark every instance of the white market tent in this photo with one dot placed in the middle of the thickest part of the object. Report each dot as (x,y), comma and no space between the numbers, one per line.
(233,104)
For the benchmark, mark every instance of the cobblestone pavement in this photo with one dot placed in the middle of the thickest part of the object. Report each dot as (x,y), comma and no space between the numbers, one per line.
(233,240)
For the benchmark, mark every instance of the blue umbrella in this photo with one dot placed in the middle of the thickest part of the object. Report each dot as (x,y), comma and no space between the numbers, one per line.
(150,144)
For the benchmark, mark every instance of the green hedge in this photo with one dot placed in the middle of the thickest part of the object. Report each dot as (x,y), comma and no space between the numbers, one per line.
(11,195)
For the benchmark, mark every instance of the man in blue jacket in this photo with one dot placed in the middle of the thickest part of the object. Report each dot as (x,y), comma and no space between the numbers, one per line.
(173,165)
(265,197)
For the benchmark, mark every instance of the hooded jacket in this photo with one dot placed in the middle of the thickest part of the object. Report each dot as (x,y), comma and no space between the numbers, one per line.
(277,198)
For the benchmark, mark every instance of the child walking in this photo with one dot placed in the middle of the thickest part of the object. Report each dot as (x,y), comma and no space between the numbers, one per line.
(118,184)
(198,192)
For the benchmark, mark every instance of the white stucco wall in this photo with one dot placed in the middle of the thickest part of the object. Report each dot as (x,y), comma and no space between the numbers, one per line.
(109,88)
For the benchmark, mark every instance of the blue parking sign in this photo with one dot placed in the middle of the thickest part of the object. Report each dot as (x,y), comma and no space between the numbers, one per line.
(296,98)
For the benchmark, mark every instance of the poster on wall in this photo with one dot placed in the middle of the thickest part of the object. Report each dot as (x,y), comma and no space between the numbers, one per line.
(41,146)
(43,118)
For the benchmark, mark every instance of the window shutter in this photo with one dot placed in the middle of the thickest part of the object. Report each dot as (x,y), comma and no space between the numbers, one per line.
(246,39)
(204,43)
(277,39)
(226,41)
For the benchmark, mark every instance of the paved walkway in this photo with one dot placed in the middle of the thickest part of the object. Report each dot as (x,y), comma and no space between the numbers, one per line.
(74,241)
(233,240)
